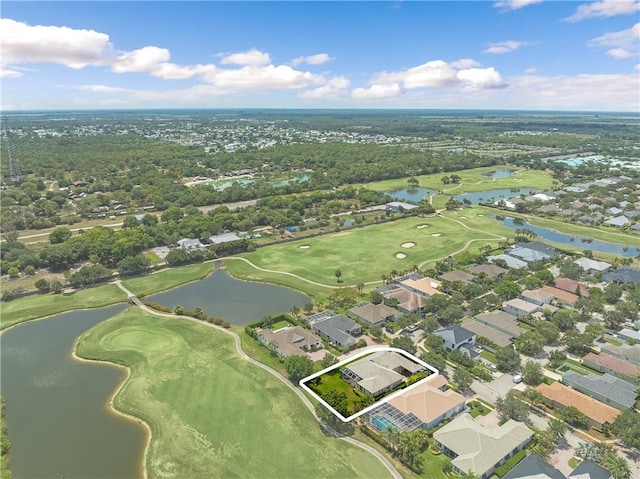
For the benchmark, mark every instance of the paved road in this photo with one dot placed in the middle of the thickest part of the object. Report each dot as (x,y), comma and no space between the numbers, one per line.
(390,467)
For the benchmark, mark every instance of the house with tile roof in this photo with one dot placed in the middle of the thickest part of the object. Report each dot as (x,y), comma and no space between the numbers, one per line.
(608,389)
(558,395)
(424,286)
(560,296)
(477,449)
(571,286)
(290,341)
(606,363)
(424,406)
(407,301)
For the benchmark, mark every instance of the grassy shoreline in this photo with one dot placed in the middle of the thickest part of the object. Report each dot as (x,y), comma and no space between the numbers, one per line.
(189,384)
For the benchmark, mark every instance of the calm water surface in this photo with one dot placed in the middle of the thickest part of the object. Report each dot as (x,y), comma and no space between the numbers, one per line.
(493,195)
(58,419)
(499,173)
(238,302)
(579,242)
(414,194)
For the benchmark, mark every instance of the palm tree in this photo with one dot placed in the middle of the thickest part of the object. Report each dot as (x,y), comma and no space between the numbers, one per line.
(617,465)
(177,309)
(295,311)
(557,429)
(360,287)
(384,279)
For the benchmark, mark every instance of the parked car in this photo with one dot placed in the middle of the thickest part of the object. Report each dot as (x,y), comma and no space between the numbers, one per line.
(517,378)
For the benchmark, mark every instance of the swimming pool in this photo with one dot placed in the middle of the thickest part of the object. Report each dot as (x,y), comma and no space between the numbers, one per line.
(381,423)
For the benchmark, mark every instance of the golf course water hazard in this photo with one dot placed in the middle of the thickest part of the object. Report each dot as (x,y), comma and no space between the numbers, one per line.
(237,302)
(58,418)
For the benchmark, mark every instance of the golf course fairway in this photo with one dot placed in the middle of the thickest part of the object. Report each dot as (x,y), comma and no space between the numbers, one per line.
(211,413)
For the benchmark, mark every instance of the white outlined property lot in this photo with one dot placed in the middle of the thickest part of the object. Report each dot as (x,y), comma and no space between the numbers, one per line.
(368,352)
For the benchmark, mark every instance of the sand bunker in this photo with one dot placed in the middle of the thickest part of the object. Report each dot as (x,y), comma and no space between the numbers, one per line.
(408,245)
(304,246)
(436,234)
(422,226)
(462,217)
(401,255)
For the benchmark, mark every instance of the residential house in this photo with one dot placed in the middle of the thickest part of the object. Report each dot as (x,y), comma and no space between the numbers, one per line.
(519,307)
(474,448)
(606,388)
(572,286)
(624,274)
(629,334)
(491,270)
(617,222)
(614,211)
(373,314)
(457,337)
(591,266)
(510,261)
(606,363)
(424,286)
(190,244)
(560,296)
(380,372)
(338,329)
(559,395)
(528,254)
(536,296)
(294,341)
(407,301)
(494,339)
(624,351)
(424,406)
(534,467)
(457,275)
(588,469)
(501,321)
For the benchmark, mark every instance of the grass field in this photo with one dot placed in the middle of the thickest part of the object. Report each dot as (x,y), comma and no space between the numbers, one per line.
(167,279)
(365,254)
(472,180)
(38,306)
(211,413)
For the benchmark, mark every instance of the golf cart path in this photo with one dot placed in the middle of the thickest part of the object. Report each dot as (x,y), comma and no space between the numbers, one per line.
(390,467)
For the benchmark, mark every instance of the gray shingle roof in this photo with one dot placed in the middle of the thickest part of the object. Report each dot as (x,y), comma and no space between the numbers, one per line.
(617,391)
(534,467)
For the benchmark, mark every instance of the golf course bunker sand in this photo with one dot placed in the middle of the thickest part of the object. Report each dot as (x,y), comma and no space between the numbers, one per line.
(408,245)
(422,226)
(304,246)
(401,255)
(436,234)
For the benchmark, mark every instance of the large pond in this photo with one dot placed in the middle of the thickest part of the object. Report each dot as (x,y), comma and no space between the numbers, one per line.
(238,302)
(579,242)
(414,194)
(221,185)
(499,173)
(494,195)
(58,418)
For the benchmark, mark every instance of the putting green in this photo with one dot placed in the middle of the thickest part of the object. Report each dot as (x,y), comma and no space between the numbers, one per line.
(211,413)
(364,254)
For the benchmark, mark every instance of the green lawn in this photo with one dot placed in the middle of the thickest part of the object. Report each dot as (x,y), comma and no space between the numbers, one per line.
(279,325)
(333,382)
(167,279)
(211,413)
(38,306)
(432,465)
(365,254)
(472,180)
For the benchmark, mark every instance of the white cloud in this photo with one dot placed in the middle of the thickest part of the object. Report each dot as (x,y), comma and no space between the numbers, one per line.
(317,59)
(504,47)
(603,9)
(530,71)
(252,57)
(464,63)
(637,67)
(22,43)
(439,74)
(624,44)
(336,87)
(10,73)
(143,60)
(507,5)
(377,92)
(103,89)
(262,77)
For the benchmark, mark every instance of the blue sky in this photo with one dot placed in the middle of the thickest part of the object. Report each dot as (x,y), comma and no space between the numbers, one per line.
(510,54)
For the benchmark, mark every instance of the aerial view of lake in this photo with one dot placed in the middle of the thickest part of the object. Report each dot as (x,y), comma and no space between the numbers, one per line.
(579,242)
(58,418)
(493,195)
(221,185)
(499,173)
(238,302)
(413,194)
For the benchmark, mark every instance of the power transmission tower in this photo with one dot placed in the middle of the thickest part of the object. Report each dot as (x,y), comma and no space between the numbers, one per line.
(14,168)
